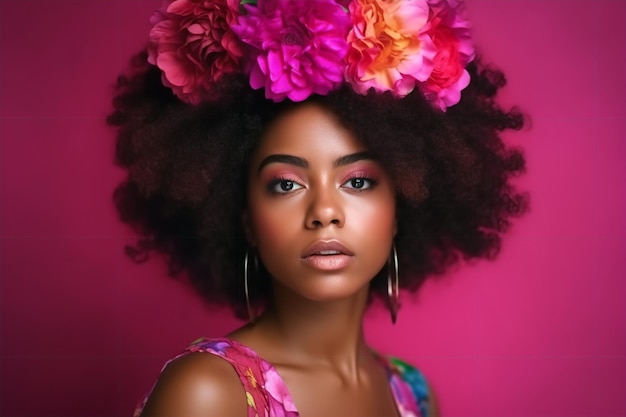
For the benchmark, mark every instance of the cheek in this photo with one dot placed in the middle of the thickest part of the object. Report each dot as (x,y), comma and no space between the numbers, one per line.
(274,234)
(372,224)
(270,224)
(377,215)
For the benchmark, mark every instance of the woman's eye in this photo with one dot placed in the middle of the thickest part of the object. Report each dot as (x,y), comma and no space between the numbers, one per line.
(284,186)
(359,183)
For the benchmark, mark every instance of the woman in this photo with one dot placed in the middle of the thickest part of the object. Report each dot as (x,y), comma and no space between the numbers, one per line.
(297,160)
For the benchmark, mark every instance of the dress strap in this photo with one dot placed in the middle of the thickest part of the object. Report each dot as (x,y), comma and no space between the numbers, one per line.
(414,379)
(247,365)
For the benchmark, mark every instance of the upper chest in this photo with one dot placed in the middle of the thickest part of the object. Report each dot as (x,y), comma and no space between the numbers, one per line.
(318,393)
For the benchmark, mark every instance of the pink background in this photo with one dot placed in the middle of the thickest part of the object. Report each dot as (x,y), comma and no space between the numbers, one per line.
(539,332)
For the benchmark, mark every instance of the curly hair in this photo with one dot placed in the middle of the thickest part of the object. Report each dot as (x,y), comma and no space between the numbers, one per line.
(186,185)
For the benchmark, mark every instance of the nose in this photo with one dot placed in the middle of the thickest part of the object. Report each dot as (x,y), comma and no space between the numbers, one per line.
(324,209)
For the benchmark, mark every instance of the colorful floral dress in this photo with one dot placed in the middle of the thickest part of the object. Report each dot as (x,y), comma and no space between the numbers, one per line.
(267,394)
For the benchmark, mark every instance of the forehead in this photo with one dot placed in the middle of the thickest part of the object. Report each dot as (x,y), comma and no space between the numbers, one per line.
(309,132)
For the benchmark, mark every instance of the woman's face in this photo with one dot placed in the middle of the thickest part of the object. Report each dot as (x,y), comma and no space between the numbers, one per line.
(321,210)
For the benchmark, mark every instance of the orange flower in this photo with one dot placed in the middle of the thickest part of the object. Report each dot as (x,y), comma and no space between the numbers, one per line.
(388,51)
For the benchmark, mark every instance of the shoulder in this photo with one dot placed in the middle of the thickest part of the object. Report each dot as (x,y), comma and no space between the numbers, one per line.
(197,384)
(421,389)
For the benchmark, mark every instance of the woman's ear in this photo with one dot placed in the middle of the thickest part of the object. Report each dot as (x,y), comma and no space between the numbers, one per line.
(247,228)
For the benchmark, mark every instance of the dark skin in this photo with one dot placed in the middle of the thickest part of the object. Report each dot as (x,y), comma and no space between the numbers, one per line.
(310,181)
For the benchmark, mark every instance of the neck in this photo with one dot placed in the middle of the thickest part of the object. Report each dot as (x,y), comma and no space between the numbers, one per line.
(328,333)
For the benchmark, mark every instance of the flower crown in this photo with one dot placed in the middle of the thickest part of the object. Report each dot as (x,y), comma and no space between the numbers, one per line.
(296,48)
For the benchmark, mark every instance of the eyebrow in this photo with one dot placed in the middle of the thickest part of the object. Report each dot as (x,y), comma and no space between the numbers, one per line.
(303,163)
(284,159)
(352,158)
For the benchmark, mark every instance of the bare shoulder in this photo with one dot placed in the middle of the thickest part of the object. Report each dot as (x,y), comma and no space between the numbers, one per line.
(197,384)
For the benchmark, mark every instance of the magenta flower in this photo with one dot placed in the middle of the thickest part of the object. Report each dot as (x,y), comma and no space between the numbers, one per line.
(450,32)
(296,47)
(192,43)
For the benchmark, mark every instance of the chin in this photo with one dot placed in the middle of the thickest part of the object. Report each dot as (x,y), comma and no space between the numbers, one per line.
(331,290)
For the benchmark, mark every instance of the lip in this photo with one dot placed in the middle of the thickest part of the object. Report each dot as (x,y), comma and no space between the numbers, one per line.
(318,248)
(330,255)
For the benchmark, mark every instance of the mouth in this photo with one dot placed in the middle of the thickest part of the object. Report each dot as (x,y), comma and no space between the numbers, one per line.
(327,255)
(326,248)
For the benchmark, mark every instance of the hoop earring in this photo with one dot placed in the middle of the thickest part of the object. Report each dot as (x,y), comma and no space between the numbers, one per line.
(393,288)
(251,312)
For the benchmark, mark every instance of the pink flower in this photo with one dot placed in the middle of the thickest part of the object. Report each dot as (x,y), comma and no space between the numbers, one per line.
(388,51)
(451,35)
(297,47)
(192,43)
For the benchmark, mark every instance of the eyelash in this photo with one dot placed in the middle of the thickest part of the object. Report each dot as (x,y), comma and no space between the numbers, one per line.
(369,183)
(373,182)
(271,187)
